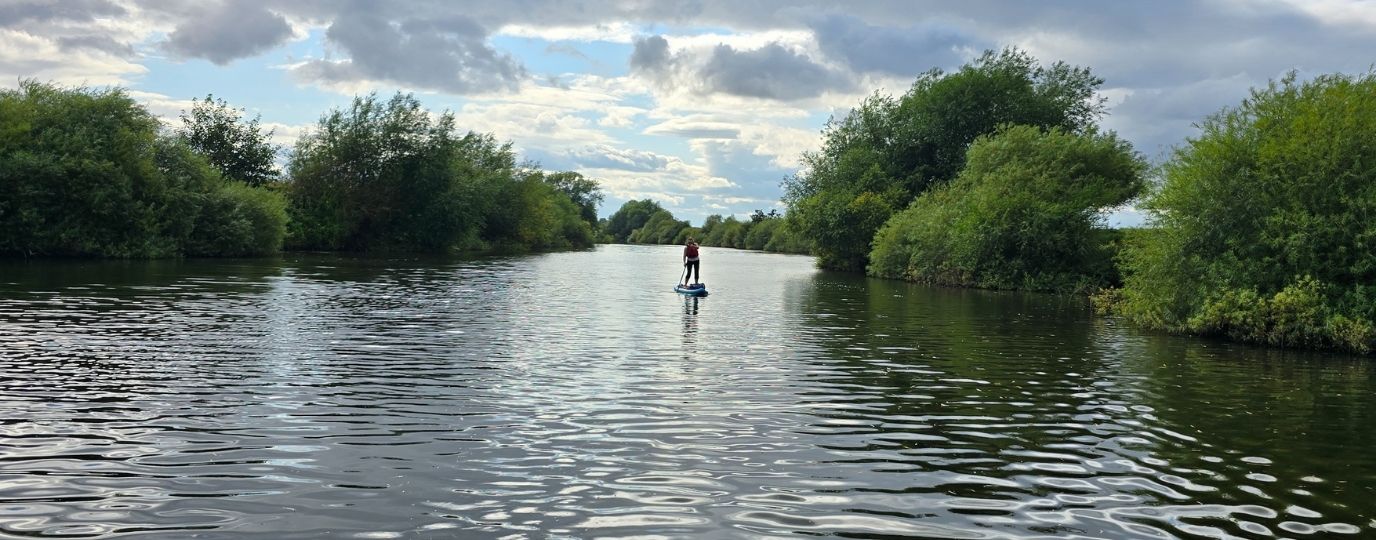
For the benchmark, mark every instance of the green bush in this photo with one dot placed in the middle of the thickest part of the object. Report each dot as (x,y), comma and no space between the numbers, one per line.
(886,151)
(393,177)
(1023,214)
(1277,187)
(631,216)
(84,172)
(239,220)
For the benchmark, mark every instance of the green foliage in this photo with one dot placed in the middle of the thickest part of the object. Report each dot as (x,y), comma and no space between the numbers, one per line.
(536,214)
(238,149)
(1265,229)
(84,172)
(660,228)
(785,240)
(631,216)
(888,151)
(1023,214)
(584,192)
(646,222)
(239,220)
(390,176)
(1299,315)
(215,217)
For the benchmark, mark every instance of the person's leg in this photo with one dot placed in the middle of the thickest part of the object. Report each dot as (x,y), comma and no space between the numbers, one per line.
(687,270)
(697,270)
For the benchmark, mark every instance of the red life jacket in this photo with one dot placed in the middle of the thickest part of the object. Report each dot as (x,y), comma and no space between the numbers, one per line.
(690,251)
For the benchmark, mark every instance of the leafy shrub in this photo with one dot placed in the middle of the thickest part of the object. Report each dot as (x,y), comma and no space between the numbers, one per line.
(1024,214)
(85,172)
(1276,187)
(887,151)
(390,176)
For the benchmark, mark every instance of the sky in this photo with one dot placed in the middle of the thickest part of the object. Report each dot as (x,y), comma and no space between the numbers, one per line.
(702,105)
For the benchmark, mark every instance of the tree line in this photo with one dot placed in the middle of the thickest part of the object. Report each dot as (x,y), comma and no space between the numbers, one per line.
(90,172)
(646,222)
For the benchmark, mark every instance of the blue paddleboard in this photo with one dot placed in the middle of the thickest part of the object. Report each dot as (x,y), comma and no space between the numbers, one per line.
(696,289)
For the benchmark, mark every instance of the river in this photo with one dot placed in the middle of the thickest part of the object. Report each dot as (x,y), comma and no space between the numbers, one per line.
(575,395)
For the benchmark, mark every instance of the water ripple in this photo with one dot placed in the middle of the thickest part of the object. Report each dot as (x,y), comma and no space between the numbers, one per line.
(570,395)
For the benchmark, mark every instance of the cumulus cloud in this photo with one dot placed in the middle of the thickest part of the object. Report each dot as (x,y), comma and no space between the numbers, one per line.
(694,128)
(228,31)
(448,54)
(772,71)
(20,12)
(1156,119)
(651,55)
(605,156)
(94,42)
(27,56)
(898,50)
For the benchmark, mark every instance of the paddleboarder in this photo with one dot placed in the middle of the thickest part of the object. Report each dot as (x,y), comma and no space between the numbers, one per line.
(691,262)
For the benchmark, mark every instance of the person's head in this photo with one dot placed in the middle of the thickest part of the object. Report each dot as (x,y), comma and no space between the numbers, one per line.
(691,240)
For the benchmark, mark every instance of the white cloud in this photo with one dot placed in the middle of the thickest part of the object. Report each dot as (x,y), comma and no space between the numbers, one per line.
(694,128)
(25,56)
(614,32)
(167,109)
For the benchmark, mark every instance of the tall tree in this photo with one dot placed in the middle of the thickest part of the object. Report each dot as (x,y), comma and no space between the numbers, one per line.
(886,151)
(238,148)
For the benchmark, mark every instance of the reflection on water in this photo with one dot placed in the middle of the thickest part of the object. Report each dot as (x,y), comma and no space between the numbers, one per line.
(576,395)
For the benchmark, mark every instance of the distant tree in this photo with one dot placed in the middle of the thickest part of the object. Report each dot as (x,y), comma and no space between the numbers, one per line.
(886,151)
(238,148)
(631,216)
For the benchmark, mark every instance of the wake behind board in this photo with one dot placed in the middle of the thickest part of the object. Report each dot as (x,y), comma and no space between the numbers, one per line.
(696,289)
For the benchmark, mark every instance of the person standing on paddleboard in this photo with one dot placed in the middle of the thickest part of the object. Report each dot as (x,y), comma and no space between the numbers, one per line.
(690,262)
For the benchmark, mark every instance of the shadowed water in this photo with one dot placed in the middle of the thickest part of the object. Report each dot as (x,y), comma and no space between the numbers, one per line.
(575,395)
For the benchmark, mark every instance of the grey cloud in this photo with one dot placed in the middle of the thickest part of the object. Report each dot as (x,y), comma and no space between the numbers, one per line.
(227,32)
(898,50)
(448,54)
(95,42)
(650,55)
(1155,119)
(756,174)
(14,13)
(771,72)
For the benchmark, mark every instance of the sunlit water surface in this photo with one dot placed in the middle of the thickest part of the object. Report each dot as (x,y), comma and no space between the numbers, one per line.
(575,395)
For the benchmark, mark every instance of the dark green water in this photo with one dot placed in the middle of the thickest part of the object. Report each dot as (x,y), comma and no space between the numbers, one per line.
(574,395)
